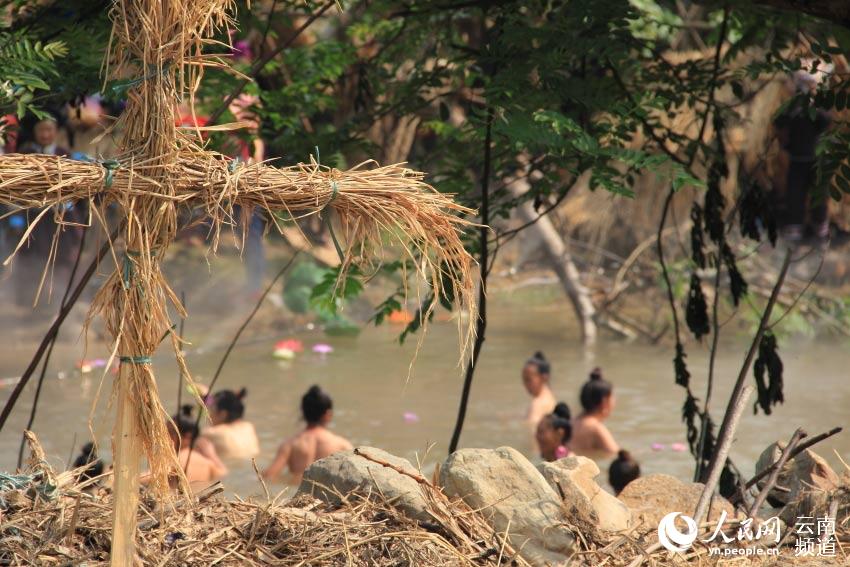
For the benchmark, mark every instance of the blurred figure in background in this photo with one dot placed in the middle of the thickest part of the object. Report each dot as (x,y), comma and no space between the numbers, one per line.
(535,378)
(554,432)
(591,437)
(315,442)
(30,262)
(233,436)
(801,213)
(623,470)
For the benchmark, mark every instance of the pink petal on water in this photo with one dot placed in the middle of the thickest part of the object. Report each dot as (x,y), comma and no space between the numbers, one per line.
(657,446)
(410,417)
(679,447)
(322,348)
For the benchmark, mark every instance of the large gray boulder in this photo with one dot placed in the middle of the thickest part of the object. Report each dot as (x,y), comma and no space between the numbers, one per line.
(515,498)
(586,502)
(805,472)
(347,473)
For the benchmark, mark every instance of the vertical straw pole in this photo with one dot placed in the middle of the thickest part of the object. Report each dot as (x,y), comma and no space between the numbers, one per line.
(127,449)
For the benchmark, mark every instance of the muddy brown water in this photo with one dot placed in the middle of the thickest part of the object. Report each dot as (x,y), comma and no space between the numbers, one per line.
(376,404)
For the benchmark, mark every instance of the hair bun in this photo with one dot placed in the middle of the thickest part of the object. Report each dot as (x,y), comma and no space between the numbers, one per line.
(242,393)
(562,410)
(624,455)
(314,390)
(186,410)
(539,354)
(596,374)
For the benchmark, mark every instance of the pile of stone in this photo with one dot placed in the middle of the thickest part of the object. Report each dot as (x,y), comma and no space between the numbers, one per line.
(551,514)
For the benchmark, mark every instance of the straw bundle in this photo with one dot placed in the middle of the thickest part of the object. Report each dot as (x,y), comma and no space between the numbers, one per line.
(156,49)
(71,528)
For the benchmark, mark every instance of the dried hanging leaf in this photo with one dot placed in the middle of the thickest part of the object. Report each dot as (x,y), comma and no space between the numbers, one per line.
(770,391)
(696,312)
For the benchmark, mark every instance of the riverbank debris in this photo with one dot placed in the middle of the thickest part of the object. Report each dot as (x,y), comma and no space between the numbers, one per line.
(56,519)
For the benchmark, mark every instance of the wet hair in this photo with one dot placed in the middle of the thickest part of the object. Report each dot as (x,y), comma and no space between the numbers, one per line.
(624,469)
(538,359)
(315,404)
(560,418)
(231,403)
(88,458)
(185,423)
(595,391)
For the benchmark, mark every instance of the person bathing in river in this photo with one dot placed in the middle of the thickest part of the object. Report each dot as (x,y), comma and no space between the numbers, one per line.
(315,442)
(590,436)
(200,463)
(535,378)
(554,432)
(232,436)
(624,469)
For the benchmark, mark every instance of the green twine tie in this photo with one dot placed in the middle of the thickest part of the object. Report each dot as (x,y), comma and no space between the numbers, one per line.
(121,87)
(334,193)
(136,360)
(129,269)
(110,165)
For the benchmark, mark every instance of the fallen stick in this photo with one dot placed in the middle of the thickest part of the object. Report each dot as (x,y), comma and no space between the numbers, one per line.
(805,444)
(786,454)
(399,470)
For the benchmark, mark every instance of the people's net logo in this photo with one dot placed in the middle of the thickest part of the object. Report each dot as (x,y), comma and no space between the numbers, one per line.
(815,536)
(671,538)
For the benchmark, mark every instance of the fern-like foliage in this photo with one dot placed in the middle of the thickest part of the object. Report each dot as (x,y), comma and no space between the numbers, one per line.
(26,66)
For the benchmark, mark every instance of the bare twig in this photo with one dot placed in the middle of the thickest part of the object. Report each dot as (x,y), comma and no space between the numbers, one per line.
(730,419)
(262,62)
(232,344)
(54,328)
(483,261)
(802,446)
(180,374)
(49,352)
(721,452)
(418,478)
(712,357)
(786,454)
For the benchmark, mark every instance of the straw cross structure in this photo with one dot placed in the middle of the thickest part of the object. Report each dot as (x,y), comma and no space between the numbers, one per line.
(157,55)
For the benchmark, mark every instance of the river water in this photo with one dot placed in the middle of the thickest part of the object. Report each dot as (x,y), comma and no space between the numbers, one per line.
(376,404)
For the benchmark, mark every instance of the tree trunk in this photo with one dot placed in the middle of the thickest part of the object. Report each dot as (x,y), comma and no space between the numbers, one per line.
(561,261)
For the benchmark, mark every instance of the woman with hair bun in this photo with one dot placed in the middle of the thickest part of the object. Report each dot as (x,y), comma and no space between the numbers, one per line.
(233,436)
(591,437)
(535,378)
(554,432)
(315,442)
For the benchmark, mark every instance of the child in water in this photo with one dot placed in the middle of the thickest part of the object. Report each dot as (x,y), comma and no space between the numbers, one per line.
(315,442)
(590,436)
(89,463)
(232,436)
(535,378)
(623,470)
(554,432)
(201,463)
